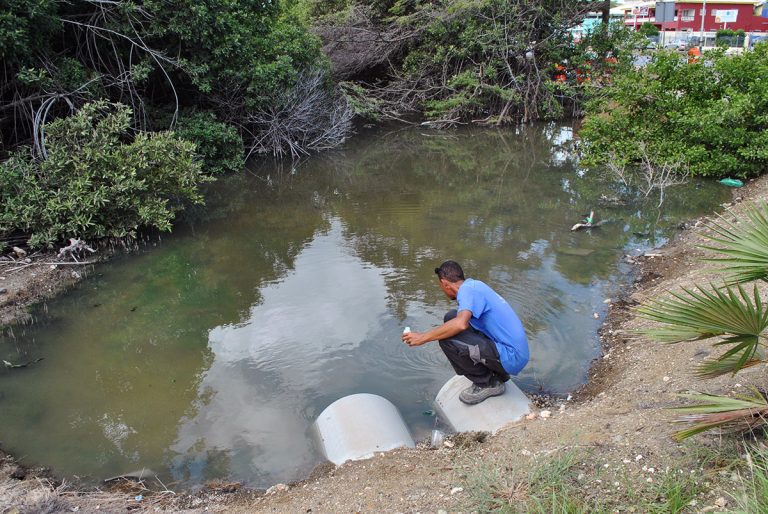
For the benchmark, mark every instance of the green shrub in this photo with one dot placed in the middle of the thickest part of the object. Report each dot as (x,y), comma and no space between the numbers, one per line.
(710,117)
(96,181)
(648,29)
(218,144)
(24,27)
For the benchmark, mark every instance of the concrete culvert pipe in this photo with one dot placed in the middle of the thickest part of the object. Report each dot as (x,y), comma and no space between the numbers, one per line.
(488,416)
(360,425)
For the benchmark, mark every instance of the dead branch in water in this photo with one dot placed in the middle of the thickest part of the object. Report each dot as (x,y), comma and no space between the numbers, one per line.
(75,246)
(309,117)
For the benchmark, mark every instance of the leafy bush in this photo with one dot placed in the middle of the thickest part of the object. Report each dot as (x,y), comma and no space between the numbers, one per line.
(229,57)
(708,116)
(237,52)
(218,144)
(24,25)
(487,61)
(648,29)
(96,182)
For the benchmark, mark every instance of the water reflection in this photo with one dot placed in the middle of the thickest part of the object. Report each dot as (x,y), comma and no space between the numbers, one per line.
(210,355)
(257,382)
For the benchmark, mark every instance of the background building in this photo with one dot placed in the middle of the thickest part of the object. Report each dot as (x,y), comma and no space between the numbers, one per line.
(682,19)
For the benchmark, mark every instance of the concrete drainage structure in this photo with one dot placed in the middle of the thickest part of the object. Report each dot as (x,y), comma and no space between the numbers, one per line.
(360,425)
(487,416)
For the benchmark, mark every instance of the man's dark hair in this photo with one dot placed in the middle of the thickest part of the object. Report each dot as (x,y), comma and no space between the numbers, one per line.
(450,271)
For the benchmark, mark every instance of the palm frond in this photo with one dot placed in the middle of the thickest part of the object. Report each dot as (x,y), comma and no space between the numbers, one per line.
(740,412)
(711,368)
(746,352)
(744,244)
(701,314)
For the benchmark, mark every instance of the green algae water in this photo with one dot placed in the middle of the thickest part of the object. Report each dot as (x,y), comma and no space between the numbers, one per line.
(209,353)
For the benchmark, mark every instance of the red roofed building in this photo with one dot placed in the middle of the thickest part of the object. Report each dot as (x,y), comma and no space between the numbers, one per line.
(723,14)
(748,15)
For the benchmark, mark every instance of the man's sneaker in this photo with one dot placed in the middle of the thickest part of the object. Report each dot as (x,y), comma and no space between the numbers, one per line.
(476,394)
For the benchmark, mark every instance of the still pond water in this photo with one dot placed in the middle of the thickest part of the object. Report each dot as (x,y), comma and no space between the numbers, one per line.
(209,354)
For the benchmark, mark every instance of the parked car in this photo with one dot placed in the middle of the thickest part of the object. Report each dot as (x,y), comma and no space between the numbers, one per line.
(646,44)
(677,44)
(757,39)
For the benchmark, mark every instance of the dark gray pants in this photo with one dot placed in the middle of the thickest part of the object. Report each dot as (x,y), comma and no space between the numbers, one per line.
(473,355)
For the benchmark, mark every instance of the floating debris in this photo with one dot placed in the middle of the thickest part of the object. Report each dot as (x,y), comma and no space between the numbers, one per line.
(579,252)
(731,182)
(14,366)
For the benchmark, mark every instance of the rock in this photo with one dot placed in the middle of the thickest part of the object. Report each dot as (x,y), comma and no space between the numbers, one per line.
(456,490)
(19,473)
(665,379)
(449,444)
(3,290)
(721,502)
(545,414)
(277,488)
(532,415)
(19,252)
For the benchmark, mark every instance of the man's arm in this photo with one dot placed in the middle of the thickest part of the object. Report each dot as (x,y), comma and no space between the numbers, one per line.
(448,329)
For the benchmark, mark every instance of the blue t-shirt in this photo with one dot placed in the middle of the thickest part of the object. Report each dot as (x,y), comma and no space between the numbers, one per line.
(492,315)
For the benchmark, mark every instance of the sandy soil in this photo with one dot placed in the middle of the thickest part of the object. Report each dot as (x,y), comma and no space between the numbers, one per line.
(27,280)
(617,425)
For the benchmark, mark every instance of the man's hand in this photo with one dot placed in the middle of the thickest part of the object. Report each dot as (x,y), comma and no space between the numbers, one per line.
(448,329)
(415,338)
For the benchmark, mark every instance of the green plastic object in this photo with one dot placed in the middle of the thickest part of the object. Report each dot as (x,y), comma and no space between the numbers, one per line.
(732,182)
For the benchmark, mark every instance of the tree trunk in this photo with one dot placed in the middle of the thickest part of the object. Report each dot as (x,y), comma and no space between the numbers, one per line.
(606,12)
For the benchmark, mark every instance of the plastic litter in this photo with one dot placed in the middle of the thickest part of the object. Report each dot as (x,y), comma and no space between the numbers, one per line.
(732,182)
(437,438)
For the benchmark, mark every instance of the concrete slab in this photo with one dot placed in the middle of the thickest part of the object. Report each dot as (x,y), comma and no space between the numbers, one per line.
(359,426)
(488,416)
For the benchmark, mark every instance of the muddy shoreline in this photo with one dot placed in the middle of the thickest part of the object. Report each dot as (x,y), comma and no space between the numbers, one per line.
(631,383)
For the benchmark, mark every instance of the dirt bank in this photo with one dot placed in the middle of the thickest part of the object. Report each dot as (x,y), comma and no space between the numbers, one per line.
(615,431)
(28,280)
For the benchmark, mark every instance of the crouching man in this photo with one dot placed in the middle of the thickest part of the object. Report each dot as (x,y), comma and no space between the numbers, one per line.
(483,338)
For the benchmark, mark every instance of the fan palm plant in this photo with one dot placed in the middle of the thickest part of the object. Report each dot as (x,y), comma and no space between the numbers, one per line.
(737,318)
(743,245)
(730,314)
